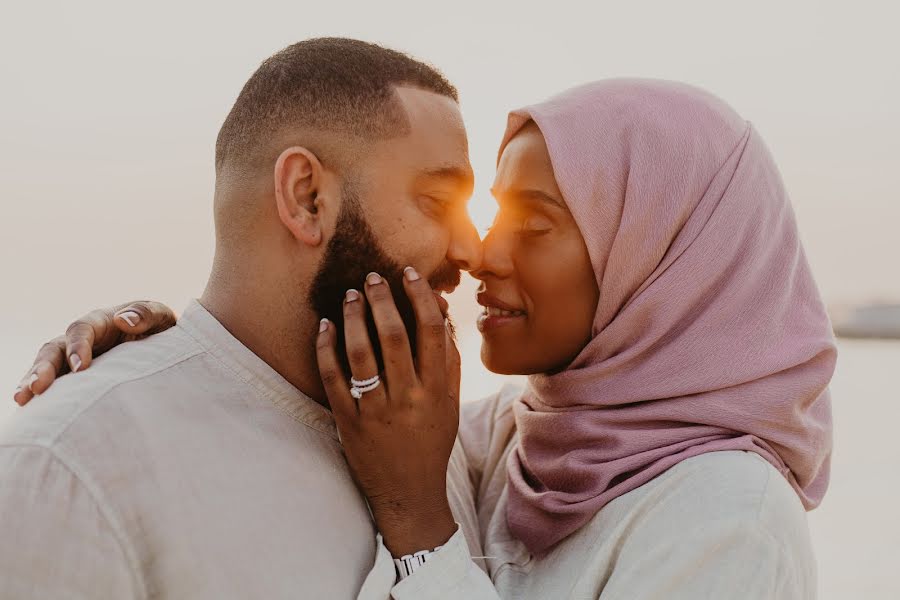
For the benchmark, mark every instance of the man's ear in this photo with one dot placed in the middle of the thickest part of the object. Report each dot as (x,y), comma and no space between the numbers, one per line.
(298,177)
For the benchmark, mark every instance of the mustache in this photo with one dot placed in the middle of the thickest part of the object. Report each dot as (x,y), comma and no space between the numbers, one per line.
(446,275)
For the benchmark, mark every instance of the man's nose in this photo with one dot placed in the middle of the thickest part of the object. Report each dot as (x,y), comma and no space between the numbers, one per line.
(465,247)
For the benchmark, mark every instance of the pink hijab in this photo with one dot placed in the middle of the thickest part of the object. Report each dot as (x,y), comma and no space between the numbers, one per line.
(710,333)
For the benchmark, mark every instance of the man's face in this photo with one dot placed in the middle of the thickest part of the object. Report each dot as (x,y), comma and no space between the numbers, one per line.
(406,206)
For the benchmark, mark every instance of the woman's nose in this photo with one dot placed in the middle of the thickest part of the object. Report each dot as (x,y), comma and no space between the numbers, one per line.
(496,256)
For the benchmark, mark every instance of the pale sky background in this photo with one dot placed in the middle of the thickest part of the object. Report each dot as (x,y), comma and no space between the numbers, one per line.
(110,112)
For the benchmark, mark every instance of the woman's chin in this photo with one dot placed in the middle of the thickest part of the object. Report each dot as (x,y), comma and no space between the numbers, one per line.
(494,359)
(505,361)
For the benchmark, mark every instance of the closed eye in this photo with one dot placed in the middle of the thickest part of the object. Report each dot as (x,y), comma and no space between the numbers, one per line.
(438,207)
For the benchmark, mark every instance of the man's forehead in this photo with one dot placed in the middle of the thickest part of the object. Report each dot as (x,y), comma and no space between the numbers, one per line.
(425,105)
(437,135)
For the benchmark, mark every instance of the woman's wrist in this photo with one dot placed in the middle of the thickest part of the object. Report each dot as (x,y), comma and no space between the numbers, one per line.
(422,527)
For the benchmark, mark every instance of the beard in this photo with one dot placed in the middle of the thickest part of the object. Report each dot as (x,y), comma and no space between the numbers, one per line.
(352,253)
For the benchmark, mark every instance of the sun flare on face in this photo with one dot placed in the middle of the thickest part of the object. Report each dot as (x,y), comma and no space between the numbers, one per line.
(482,210)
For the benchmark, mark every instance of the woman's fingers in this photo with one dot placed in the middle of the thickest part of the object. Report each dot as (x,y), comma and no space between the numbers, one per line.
(50,361)
(360,354)
(94,333)
(431,330)
(90,336)
(143,317)
(45,372)
(23,395)
(392,335)
(102,329)
(335,383)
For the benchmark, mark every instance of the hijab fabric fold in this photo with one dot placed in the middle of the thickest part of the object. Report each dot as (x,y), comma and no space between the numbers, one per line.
(709,334)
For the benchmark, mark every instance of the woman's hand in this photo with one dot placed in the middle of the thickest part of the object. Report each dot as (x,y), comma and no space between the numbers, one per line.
(398,437)
(92,335)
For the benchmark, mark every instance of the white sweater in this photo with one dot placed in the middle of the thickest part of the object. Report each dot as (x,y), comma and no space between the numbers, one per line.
(720,525)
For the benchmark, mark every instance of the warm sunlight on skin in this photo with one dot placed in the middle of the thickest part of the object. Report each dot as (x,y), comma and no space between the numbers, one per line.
(482,209)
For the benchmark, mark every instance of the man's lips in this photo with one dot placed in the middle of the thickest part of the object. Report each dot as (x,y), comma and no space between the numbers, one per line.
(438,290)
(445,280)
(446,288)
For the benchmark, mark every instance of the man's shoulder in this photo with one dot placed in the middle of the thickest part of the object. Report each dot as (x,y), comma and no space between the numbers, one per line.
(124,374)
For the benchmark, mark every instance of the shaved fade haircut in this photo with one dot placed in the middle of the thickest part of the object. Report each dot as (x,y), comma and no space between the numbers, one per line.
(335,88)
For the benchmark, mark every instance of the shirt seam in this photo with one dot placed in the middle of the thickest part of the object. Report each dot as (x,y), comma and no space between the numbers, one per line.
(784,555)
(106,511)
(178,359)
(763,494)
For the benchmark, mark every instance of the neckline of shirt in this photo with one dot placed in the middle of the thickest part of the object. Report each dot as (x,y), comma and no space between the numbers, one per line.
(201,325)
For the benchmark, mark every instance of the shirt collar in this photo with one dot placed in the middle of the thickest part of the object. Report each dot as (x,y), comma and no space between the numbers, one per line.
(254,371)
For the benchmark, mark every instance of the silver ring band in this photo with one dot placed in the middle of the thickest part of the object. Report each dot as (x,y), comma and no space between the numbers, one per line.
(358,390)
(364,382)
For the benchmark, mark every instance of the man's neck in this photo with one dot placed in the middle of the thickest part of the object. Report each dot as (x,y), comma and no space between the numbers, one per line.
(281,334)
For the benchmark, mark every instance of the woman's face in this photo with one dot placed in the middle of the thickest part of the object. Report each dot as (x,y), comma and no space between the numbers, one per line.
(538,286)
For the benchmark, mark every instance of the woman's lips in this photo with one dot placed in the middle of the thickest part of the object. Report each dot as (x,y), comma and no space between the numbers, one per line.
(496,313)
(489,322)
(488,301)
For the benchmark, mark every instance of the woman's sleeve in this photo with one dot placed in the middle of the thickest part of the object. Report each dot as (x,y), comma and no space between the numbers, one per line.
(450,574)
(457,570)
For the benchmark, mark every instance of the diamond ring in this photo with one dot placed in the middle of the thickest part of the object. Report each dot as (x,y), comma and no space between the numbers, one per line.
(359,387)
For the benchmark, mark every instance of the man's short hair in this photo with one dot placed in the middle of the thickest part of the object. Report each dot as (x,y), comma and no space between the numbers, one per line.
(334,86)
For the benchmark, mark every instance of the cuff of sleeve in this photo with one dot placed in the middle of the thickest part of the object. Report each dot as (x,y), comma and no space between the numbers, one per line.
(441,575)
(382,577)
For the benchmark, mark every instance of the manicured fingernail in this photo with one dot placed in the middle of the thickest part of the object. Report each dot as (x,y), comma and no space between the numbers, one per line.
(351,296)
(130,317)
(373,279)
(75,361)
(411,274)
(31,381)
(323,325)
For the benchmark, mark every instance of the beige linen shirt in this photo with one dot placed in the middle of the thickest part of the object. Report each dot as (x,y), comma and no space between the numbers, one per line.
(181,466)
(720,525)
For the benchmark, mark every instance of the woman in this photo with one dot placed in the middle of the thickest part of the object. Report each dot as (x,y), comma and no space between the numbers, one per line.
(645,271)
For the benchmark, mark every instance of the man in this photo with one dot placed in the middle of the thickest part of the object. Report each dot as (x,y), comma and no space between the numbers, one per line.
(203,463)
